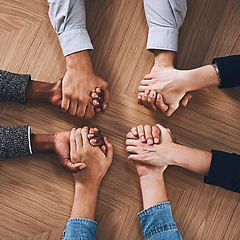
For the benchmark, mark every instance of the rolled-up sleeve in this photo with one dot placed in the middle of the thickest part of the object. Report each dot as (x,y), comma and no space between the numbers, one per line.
(157,223)
(68,18)
(164,18)
(80,229)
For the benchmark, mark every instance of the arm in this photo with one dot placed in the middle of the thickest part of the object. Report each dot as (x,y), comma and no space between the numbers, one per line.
(156,219)
(219,168)
(164,18)
(81,224)
(68,18)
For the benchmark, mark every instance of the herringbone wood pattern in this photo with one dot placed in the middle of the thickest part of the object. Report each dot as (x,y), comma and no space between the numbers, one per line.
(36,193)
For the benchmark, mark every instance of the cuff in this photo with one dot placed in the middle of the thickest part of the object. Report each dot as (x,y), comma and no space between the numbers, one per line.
(224,171)
(162,38)
(75,40)
(13,87)
(15,142)
(80,228)
(158,220)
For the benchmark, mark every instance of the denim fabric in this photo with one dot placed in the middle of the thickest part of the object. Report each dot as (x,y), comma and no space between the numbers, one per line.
(158,224)
(80,229)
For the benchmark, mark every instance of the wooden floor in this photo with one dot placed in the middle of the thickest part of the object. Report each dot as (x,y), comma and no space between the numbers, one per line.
(36,193)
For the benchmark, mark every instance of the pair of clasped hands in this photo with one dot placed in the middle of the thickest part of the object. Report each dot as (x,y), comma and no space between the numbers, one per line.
(90,154)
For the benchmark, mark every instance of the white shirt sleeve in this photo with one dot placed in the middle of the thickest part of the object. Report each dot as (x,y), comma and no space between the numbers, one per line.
(164,18)
(68,18)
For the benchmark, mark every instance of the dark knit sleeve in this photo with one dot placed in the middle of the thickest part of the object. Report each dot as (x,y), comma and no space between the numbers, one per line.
(14,142)
(224,171)
(229,70)
(13,87)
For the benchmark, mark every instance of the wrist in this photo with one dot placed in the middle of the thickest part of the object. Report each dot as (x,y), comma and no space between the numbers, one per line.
(164,58)
(79,61)
(42,143)
(39,91)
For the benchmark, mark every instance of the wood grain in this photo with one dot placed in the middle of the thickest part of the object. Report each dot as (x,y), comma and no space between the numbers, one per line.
(36,193)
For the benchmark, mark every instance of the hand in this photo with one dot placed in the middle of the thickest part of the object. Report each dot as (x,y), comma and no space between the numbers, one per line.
(97,162)
(62,149)
(96,139)
(172,86)
(79,83)
(154,155)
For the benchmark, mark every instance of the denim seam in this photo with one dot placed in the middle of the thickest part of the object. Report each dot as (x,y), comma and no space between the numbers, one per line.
(161,230)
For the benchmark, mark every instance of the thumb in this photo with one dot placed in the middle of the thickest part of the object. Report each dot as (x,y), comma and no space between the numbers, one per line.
(109,149)
(106,96)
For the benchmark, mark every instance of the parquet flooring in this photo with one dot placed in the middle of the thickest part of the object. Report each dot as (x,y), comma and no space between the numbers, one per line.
(36,193)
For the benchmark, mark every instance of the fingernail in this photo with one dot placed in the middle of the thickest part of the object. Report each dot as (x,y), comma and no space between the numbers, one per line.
(158,97)
(93,140)
(135,133)
(142,138)
(149,141)
(145,94)
(151,94)
(156,140)
(81,167)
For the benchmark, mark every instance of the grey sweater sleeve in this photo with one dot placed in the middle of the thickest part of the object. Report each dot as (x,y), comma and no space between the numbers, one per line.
(14,142)
(13,87)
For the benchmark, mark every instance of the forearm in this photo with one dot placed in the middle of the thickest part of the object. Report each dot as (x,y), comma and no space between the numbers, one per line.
(153,190)
(165,58)
(39,91)
(200,78)
(192,159)
(78,61)
(42,143)
(85,200)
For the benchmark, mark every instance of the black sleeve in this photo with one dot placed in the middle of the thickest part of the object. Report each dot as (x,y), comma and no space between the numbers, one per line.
(224,171)
(229,70)
(13,87)
(14,142)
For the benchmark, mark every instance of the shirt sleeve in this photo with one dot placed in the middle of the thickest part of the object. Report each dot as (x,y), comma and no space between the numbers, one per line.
(224,171)
(68,18)
(80,228)
(157,223)
(13,87)
(164,18)
(14,142)
(229,70)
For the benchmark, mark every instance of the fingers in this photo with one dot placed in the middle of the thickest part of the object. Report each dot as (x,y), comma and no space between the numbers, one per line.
(81,110)
(148,76)
(135,157)
(109,149)
(131,142)
(131,149)
(161,106)
(186,99)
(134,131)
(90,113)
(73,107)
(74,167)
(141,134)
(148,134)
(78,139)
(72,143)
(155,134)
(139,98)
(143,88)
(131,136)
(84,133)
(151,100)
(106,96)
(65,104)
(144,99)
